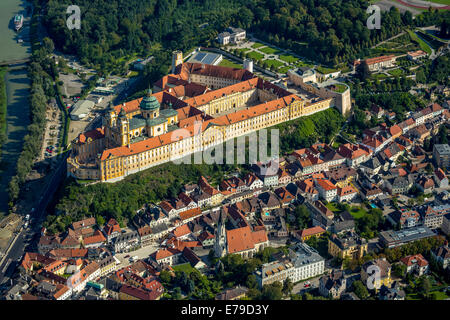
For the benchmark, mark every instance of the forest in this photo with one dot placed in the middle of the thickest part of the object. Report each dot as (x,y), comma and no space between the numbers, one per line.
(327,31)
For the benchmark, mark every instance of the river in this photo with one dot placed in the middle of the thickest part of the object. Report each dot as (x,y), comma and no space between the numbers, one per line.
(17,90)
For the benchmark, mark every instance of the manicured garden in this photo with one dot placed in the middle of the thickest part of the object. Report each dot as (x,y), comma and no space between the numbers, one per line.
(396,72)
(288,58)
(325,70)
(257,45)
(274,63)
(229,63)
(340,88)
(255,55)
(269,50)
(423,45)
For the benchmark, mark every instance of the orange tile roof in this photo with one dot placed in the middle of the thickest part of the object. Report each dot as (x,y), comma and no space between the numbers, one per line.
(242,239)
(326,184)
(95,134)
(379,59)
(216,94)
(190,213)
(164,253)
(96,238)
(311,231)
(181,231)
(395,130)
(413,259)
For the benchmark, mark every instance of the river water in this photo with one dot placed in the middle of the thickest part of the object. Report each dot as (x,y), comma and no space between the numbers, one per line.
(17,89)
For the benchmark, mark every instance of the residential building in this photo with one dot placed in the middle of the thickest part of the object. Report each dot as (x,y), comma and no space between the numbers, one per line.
(441,155)
(445,227)
(308,233)
(348,245)
(394,293)
(442,256)
(327,190)
(415,263)
(126,241)
(382,273)
(236,293)
(333,285)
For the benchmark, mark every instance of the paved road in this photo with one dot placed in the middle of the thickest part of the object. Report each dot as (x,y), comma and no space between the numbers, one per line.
(25,236)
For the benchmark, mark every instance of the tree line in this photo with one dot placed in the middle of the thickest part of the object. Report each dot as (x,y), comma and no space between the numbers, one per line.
(41,71)
(330,32)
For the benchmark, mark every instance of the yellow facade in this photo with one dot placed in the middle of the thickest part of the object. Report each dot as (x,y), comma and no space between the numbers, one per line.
(352,252)
(115,168)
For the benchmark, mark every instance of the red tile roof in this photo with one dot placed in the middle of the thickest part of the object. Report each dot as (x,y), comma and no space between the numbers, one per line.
(242,239)
(311,231)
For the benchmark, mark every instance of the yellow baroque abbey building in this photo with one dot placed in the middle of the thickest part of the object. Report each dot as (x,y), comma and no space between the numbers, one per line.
(194,108)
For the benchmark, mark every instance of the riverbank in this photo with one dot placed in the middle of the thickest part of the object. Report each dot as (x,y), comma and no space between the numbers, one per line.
(3,104)
(17,120)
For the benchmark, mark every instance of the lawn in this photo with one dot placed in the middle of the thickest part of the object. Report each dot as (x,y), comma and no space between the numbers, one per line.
(378,76)
(340,88)
(231,64)
(255,55)
(357,212)
(243,50)
(186,267)
(269,50)
(423,45)
(325,70)
(396,72)
(274,63)
(288,58)
(415,296)
(332,207)
(284,69)
(257,45)
(440,295)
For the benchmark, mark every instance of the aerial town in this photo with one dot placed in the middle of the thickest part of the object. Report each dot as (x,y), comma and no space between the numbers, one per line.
(99,206)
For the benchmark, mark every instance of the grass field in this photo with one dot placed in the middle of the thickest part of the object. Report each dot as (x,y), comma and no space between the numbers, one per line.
(378,76)
(288,58)
(442,1)
(274,63)
(357,212)
(325,70)
(340,88)
(186,267)
(425,47)
(243,50)
(255,55)
(257,45)
(332,207)
(269,50)
(284,69)
(396,72)
(231,64)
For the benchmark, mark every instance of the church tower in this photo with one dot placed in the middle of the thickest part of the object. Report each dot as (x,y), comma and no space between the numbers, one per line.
(124,127)
(177,59)
(150,106)
(220,244)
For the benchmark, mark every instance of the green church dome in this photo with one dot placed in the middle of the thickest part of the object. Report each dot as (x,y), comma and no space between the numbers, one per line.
(149,102)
